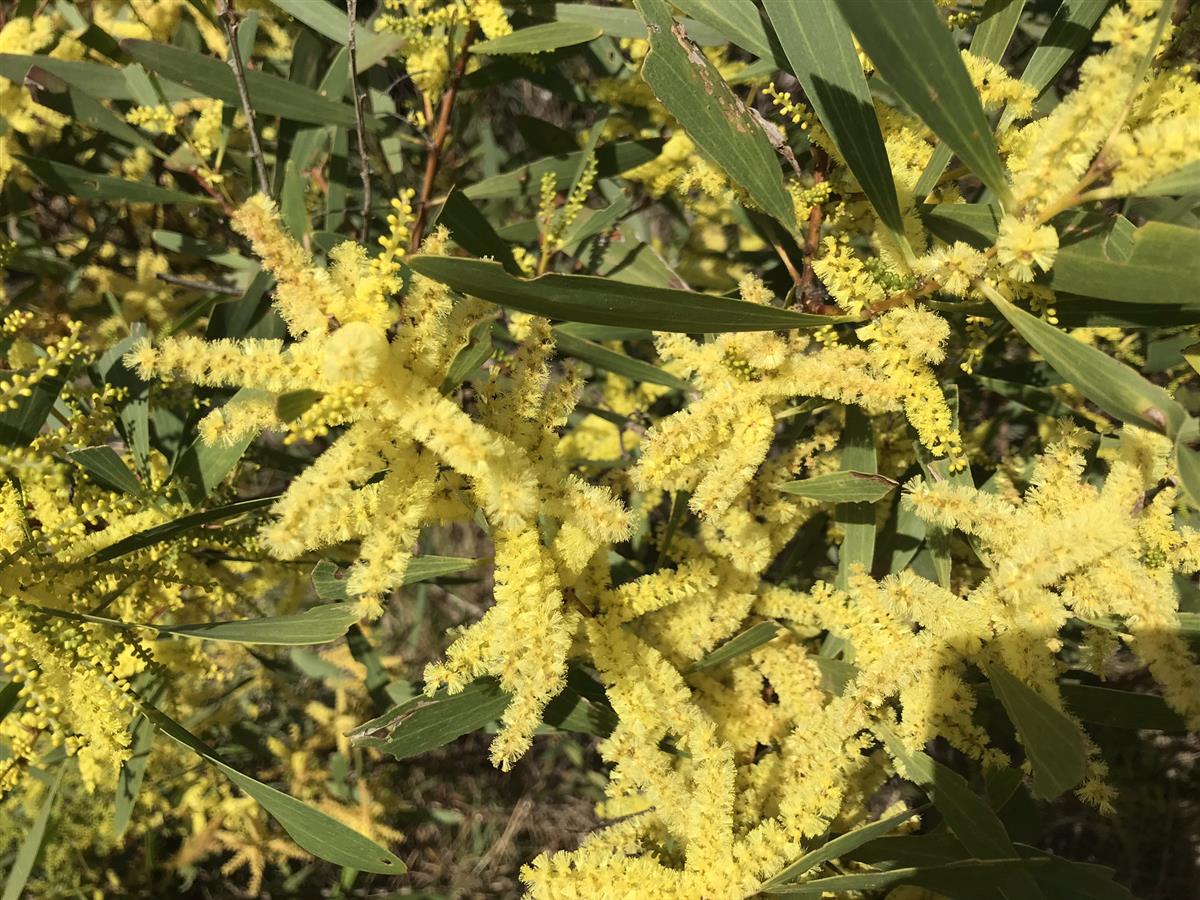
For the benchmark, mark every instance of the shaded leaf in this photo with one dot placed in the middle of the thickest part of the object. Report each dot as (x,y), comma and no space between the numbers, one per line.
(1120,709)
(271,95)
(329,584)
(857,519)
(611,159)
(967,814)
(912,49)
(539,38)
(318,625)
(1160,263)
(31,845)
(739,21)
(107,467)
(1053,743)
(821,53)
(168,530)
(1182,181)
(614,361)
(75,182)
(471,230)
(603,301)
(1070,30)
(743,642)
(292,405)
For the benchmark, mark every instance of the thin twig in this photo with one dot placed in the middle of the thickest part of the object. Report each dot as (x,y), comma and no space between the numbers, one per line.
(198,285)
(230,23)
(359,128)
(805,293)
(439,140)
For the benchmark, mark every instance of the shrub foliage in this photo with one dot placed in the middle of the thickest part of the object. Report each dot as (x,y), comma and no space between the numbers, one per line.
(798,395)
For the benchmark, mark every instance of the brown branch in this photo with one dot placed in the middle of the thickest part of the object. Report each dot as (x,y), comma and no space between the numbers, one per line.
(359,129)
(439,140)
(805,295)
(206,286)
(230,23)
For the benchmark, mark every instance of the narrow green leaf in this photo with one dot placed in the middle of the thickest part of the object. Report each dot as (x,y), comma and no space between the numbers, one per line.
(738,20)
(1114,387)
(19,426)
(626,23)
(1121,709)
(603,301)
(1059,878)
(75,182)
(539,39)
(581,706)
(614,361)
(31,846)
(837,847)
(743,642)
(842,487)
(469,358)
(821,52)
(322,836)
(997,23)
(1053,742)
(133,773)
(1160,264)
(973,878)
(1187,459)
(292,405)
(1182,181)
(1070,31)
(471,230)
(49,90)
(426,723)
(329,21)
(857,519)
(694,92)
(107,467)
(611,159)
(271,95)
(9,695)
(175,527)
(97,79)
(968,815)
(190,246)
(318,625)
(330,586)
(202,467)
(913,50)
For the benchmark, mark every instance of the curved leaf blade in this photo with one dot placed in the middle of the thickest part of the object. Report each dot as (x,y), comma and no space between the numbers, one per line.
(322,836)
(1053,742)
(604,301)
(914,51)
(1113,386)
(820,50)
(539,39)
